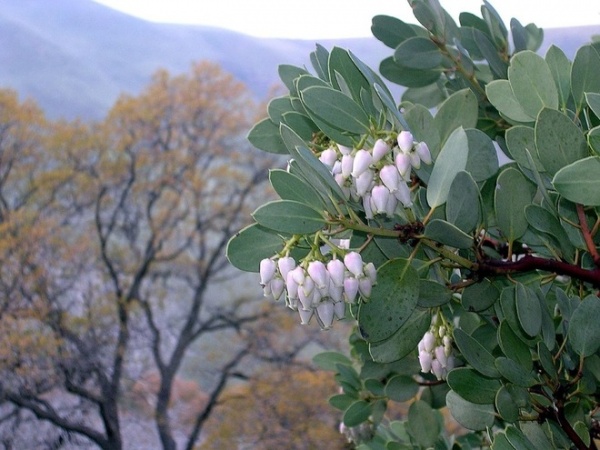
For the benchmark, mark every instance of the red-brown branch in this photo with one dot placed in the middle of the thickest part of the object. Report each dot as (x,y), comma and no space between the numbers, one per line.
(587,236)
(529,263)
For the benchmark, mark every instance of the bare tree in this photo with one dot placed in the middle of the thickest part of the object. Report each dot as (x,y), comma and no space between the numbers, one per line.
(117,268)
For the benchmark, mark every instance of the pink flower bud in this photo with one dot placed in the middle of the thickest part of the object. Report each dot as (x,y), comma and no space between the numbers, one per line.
(390,177)
(285,264)
(298,275)
(423,151)
(344,150)
(365,286)
(363,182)
(267,271)
(415,161)
(318,272)
(339,310)
(425,361)
(379,199)
(428,341)
(354,263)
(305,300)
(437,369)
(308,286)
(350,289)
(325,313)
(403,195)
(367,206)
(405,141)
(337,167)
(403,165)
(380,149)
(390,208)
(336,270)
(336,293)
(328,157)
(277,286)
(450,364)
(291,286)
(362,161)
(347,163)
(305,316)
(440,355)
(371,272)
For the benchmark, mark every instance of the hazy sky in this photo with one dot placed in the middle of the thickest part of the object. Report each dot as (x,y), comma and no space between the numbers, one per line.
(320,19)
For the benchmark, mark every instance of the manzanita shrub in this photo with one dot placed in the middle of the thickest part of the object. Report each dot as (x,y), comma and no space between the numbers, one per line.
(473,285)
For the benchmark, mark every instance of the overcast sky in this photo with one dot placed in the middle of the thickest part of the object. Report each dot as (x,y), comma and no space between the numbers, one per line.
(320,19)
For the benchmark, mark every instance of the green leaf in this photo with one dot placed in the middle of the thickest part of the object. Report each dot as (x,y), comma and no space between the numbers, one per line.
(584,74)
(501,95)
(558,140)
(528,310)
(536,435)
(584,327)
(475,354)
(593,101)
(302,125)
(357,413)
(288,73)
(513,347)
(331,360)
(390,30)
(404,341)
(519,140)
(433,294)
(470,415)
(513,193)
(532,83)
(401,388)
(252,244)
(278,106)
(291,187)
(472,386)
(427,96)
(462,205)
(544,221)
(515,373)
(340,63)
(393,300)
(341,401)
(403,76)
(593,139)
(265,136)
(560,67)
(287,216)
(459,110)
(318,59)
(451,160)
(517,439)
(506,406)
(482,162)
(448,234)
(336,109)
(580,182)
(480,296)
(546,360)
(418,53)
(423,424)
(508,306)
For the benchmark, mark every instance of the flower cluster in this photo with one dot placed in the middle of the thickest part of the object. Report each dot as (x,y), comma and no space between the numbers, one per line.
(378,176)
(318,288)
(435,352)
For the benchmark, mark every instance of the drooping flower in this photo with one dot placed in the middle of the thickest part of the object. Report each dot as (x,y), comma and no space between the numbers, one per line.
(380,149)
(405,141)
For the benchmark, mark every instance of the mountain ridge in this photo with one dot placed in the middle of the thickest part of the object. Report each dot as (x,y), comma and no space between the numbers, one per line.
(76,57)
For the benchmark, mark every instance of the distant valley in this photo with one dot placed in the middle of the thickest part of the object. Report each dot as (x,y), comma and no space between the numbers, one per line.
(74,57)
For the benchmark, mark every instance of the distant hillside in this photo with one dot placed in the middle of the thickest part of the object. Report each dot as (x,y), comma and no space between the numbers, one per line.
(74,57)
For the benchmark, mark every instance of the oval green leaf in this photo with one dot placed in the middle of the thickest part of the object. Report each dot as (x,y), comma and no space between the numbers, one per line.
(470,415)
(584,327)
(448,234)
(580,182)
(254,243)
(451,160)
(475,354)
(418,53)
(513,193)
(472,386)
(462,205)
(393,300)
(288,216)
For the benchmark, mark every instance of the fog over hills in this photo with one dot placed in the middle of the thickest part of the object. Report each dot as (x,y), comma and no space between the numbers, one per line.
(74,57)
